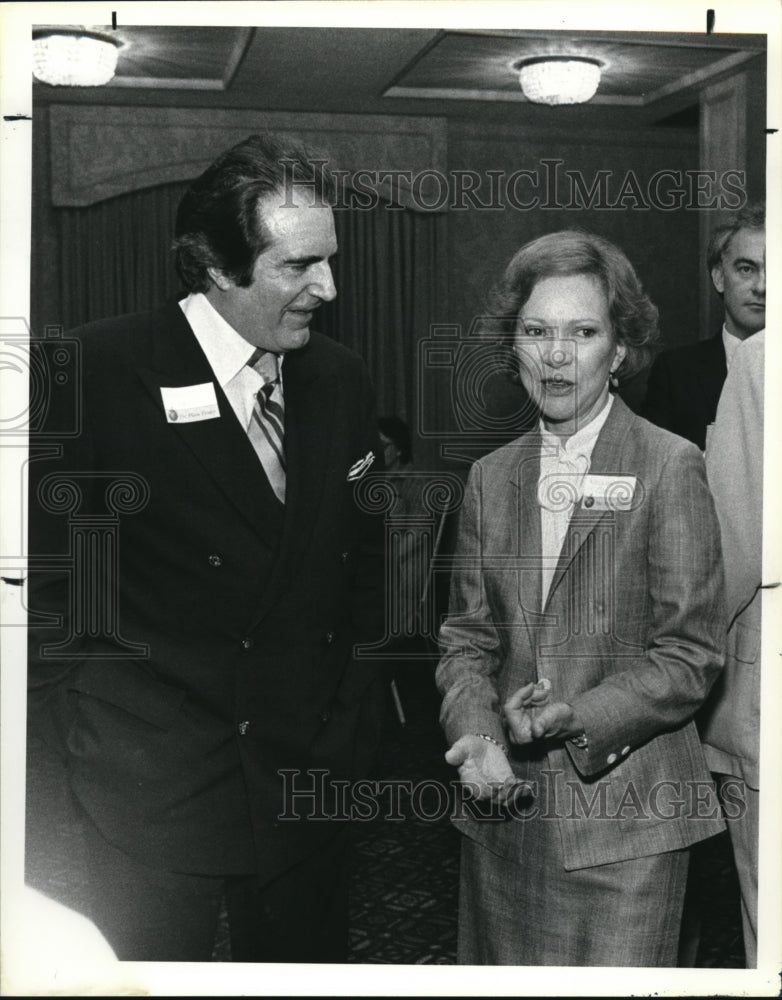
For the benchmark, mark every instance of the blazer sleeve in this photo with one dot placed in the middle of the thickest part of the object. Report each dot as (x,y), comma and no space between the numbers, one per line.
(469,641)
(686,638)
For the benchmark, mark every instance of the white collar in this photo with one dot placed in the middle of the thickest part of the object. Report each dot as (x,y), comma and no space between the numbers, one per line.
(583,441)
(226,351)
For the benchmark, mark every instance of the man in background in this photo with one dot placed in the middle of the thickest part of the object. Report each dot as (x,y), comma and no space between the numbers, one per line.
(685,383)
(730,727)
(196,671)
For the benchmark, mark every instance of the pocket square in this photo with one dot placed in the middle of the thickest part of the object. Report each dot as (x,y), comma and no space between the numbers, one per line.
(357,470)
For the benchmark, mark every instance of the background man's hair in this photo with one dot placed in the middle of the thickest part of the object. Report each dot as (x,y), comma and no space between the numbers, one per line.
(752,216)
(397,431)
(218,224)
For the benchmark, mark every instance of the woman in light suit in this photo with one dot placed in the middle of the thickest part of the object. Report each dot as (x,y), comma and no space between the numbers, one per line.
(586,626)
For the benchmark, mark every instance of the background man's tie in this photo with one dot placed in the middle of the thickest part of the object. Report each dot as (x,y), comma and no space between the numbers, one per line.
(267,426)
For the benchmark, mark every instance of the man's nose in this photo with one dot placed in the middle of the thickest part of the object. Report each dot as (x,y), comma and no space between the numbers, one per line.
(759,284)
(322,283)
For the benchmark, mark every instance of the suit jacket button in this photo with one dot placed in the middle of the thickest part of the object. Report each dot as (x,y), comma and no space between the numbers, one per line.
(329,637)
(325,716)
(611,758)
(215,560)
(344,556)
(247,644)
(625,751)
(243,727)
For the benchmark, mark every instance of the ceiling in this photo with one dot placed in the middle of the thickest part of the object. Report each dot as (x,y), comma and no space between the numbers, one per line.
(648,78)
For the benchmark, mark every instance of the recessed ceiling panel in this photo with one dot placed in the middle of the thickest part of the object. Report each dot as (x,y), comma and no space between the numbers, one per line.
(190,58)
(481,66)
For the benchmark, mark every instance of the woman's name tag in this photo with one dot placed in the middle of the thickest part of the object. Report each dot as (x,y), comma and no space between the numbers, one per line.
(615,493)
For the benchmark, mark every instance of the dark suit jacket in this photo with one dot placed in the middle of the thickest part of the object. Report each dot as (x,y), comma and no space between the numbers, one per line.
(631,635)
(222,652)
(684,388)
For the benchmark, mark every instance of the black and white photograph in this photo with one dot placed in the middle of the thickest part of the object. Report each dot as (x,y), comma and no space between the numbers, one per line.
(389,567)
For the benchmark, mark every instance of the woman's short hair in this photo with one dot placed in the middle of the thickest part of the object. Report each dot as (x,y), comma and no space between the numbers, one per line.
(218,224)
(568,252)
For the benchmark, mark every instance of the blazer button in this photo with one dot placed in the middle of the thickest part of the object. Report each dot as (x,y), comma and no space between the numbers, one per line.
(329,637)
(243,727)
(611,758)
(625,751)
(215,560)
(247,644)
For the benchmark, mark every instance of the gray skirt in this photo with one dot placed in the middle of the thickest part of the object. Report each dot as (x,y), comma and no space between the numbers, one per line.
(533,912)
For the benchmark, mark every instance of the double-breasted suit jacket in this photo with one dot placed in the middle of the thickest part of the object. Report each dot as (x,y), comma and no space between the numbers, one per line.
(219,651)
(631,635)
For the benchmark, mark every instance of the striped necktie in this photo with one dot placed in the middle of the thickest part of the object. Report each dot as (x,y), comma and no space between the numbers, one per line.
(267,425)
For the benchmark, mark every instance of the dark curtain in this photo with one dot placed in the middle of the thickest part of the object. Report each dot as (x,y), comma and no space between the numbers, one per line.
(115,258)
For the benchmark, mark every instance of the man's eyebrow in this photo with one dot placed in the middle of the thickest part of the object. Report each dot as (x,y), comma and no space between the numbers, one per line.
(310,259)
(746,260)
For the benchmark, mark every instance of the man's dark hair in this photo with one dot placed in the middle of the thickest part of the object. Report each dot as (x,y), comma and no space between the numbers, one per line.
(397,431)
(218,223)
(752,216)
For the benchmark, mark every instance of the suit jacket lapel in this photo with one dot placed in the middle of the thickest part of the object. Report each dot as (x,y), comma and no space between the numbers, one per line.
(220,444)
(607,457)
(310,394)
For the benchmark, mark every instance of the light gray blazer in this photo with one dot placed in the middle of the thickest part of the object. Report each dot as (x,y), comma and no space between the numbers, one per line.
(734,460)
(632,636)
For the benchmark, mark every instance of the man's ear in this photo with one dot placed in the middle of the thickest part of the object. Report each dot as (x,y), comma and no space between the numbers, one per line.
(219,278)
(718,279)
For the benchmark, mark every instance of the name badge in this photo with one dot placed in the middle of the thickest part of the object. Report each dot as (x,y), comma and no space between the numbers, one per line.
(188,403)
(609,493)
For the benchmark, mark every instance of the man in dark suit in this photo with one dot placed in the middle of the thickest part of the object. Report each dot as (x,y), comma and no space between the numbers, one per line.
(685,383)
(195,660)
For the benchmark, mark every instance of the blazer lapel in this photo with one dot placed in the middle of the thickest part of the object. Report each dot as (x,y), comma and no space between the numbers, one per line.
(220,444)
(524,543)
(607,457)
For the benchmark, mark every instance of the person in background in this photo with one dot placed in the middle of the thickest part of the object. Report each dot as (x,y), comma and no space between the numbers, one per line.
(685,383)
(214,654)
(415,534)
(586,627)
(730,725)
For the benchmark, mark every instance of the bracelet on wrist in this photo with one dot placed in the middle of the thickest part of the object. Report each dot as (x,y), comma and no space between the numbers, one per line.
(580,742)
(490,739)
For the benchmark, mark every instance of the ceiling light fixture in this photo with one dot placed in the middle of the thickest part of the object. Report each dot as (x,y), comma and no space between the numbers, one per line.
(72,57)
(559,79)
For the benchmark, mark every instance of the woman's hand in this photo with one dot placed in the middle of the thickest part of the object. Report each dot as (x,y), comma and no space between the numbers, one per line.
(483,766)
(531,715)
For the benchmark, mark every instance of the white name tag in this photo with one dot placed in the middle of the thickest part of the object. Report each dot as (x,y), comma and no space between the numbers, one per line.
(187,403)
(608,493)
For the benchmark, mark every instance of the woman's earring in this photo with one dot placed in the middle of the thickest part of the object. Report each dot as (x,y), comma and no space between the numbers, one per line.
(613,379)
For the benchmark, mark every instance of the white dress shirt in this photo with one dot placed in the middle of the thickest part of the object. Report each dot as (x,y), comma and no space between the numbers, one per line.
(730,342)
(227,353)
(564,462)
